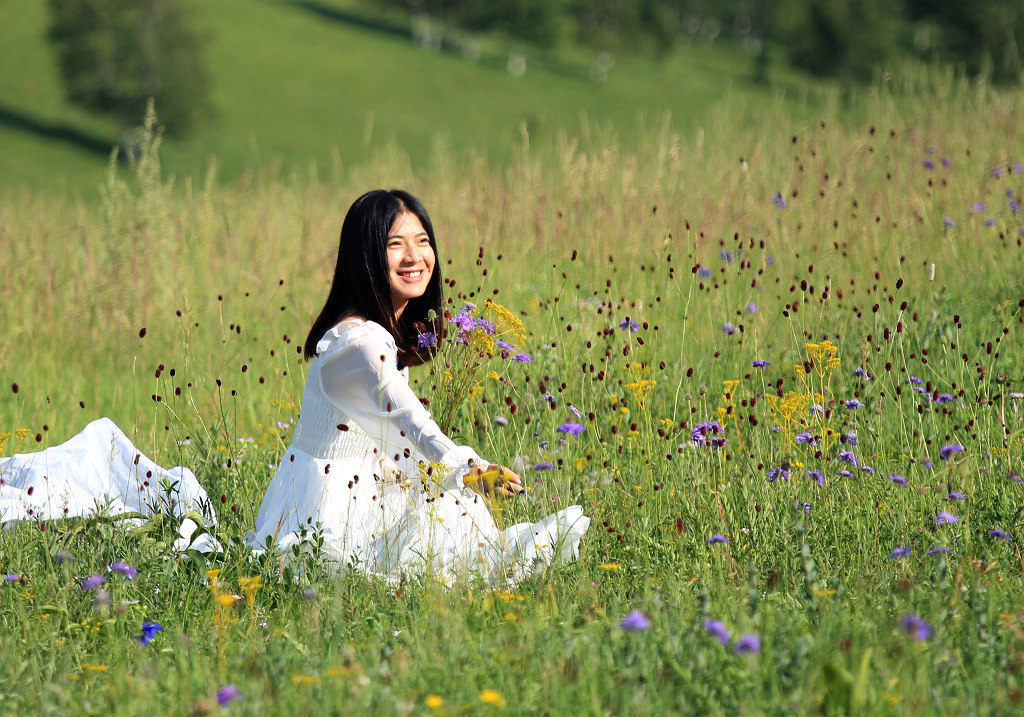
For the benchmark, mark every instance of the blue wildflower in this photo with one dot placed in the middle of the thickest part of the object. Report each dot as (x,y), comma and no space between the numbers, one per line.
(944,517)
(779,473)
(899,553)
(816,476)
(544,466)
(848,457)
(703,272)
(848,439)
(717,538)
(899,480)
(628,323)
(149,631)
(427,339)
(938,549)
(853,404)
(752,308)
(728,328)
(948,223)
(1000,534)
(761,363)
(805,437)
(779,201)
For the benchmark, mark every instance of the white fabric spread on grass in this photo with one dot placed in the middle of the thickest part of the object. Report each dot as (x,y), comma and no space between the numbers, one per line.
(354,478)
(99,472)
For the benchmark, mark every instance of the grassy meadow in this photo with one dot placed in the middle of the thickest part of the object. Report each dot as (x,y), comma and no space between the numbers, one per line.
(778,333)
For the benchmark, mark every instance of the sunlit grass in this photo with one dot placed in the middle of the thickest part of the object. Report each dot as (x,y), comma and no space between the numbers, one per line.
(883,296)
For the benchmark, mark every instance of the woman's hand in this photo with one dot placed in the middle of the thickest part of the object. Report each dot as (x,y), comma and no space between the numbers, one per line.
(495,481)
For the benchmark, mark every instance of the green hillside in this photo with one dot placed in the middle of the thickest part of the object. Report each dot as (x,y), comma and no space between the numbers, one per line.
(298,84)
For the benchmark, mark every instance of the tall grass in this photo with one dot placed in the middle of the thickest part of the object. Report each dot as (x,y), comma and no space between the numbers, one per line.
(790,243)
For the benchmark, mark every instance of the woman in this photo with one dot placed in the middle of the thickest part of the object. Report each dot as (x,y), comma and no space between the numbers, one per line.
(369,475)
(368,468)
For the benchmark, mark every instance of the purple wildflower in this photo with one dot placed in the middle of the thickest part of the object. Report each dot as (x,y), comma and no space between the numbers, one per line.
(845,474)
(717,538)
(728,328)
(125,569)
(628,323)
(900,552)
(726,256)
(761,363)
(1014,477)
(945,398)
(1018,168)
(915,627)
(948,223)
(848,439)
(868,469)
(699,434)
(426,340)
(956,495)
(13,578)
(63,557)
(779,201)
(717,630)
(978,207)
(464,321)
(573,429)
(990,222)
(817,476)
(779,473)
(93,581)
(501,420)
(544,466)
(101,601)
(522,358)
(899,480)
(944,517)
(752,308)
(228,694)
(635,621)
(749,644)
(861,373)
(938,549)
(848,457)
(928,164)
(997,172)
(703,272)
(575,411)
(926,463)
(948,450)
(1000,534)
(805,437)
(853,404)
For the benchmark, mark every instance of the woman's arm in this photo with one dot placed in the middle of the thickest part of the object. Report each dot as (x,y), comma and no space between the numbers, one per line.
(362,380)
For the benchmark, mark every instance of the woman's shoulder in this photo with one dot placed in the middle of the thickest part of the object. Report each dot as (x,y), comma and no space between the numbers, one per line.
(351,331)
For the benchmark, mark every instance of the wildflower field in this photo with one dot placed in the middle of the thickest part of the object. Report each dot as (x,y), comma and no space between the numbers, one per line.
(777,361)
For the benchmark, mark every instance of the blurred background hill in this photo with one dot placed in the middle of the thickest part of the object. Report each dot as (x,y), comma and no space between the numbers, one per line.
(310,87)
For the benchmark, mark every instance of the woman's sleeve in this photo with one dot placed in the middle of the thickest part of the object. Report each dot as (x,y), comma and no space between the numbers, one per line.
(363,381)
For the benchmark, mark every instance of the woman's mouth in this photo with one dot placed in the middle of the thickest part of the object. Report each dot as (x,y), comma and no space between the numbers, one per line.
(411,276)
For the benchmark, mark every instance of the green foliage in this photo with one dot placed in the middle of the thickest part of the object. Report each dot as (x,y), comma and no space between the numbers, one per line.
(117,55)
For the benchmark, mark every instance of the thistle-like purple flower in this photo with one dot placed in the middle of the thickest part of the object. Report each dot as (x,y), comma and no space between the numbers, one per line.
(749,644)
(426,340)
(956,495)
(915,627)
(817,476)
(703,272)
(848,457)
(899,553)
(947,451)
(728,328)
(717,538)
(228,694)
(805,437)
(635,621)
(572,429)
(944,517)
(628,323)
(899,480)
(938,549)
(853,404)
(522,357)
(761,363)
(544,466)
(93,581)
(999,534)
(779,201)
(848,439)
(125,569)
(717,630)
(779,473)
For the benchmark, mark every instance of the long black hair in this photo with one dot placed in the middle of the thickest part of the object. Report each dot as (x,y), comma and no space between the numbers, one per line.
(361,284)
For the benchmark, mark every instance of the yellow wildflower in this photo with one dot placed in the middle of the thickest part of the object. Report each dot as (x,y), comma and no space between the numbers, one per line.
(492,697)
(433,701)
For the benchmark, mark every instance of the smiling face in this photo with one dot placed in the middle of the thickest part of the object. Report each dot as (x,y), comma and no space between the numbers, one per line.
(410,260)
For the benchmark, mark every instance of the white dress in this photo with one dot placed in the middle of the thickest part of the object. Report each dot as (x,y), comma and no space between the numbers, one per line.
(372,475)
(100,472)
